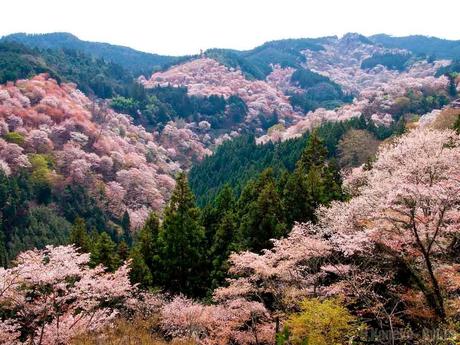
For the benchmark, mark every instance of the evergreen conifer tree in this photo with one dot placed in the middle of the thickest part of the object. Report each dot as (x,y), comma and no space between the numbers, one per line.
(79,236)
(181,240)
(105,253)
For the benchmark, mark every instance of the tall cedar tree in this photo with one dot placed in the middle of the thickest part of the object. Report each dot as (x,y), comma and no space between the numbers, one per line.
(261,212)
(181,239)
(315,181)
(145,253)
(105,253)
(126,225)
(213,213)
(225,235)
(79,236)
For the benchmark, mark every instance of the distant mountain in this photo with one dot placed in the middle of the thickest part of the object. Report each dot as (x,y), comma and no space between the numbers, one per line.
(421,45)
(256,63)
(93,76)
(133,60)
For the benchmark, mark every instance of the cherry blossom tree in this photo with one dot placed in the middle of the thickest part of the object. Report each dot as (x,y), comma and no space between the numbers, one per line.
(53,295)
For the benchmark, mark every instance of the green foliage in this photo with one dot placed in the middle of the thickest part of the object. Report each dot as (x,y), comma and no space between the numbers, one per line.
(306,79)
(320,91)
(79,236)
(43,226)
(155,107)
(415,103)
(145,253)
(126,226)
(140,273)
(27,218)
(256,63)
(452,69)
(261,213)
(76,202)
(457,125)
(181,242)
(125,105)
(325,322)
(452,85)
(93,76)
(105,253)
(237,161)
(15,138)
(390,60)
(40,176)
(132,60)
(315,181)
(421,45)
(34,213)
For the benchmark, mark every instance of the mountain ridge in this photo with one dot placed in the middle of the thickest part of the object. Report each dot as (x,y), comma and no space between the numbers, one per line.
(131,59)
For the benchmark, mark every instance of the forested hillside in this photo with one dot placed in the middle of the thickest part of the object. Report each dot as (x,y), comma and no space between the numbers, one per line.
(305,191)
(236,161)
(93,76)
(132,60)
(422,45)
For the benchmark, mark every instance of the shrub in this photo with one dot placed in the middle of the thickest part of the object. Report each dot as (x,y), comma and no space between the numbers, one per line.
(325,322)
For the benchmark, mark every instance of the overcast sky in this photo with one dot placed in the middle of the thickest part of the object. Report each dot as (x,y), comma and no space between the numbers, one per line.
(185,26)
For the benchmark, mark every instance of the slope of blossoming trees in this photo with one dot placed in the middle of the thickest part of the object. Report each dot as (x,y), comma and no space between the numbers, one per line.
(206,77)
(389,251)
(51,296)
(388,254)
(63,139)
(381,93)
(383,103)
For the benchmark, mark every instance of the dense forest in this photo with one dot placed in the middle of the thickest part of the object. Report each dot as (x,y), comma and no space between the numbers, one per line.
(421,45)
(132,60)
(391,61)
(236,161)
(93,76)
(256,63)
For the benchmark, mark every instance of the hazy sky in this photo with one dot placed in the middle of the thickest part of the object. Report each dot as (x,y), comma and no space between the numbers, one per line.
(186,26)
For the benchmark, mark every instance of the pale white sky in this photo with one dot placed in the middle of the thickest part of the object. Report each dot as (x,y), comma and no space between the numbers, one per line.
(185,26)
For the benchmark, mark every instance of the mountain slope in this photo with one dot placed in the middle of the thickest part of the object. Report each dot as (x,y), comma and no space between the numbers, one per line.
(92,76)
(257,63)
(131,59)
(421,45)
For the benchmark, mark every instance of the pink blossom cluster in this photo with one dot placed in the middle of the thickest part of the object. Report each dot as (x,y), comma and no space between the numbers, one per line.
(341,62)
(92,145)
(237,321)
(378,101)
(207,77)
(405,208)
(54,295)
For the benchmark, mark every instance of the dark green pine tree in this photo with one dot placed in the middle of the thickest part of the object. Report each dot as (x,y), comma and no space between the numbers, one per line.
(295,199)
(182,255)
(212,213)
(123,250)
(105,253)
(315,181)
(3,251)
(126,226)
(79,236)
(261,213)
(226,240)
(145,253)
(400,127)
(140,273)
(333,182)
(314,154)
